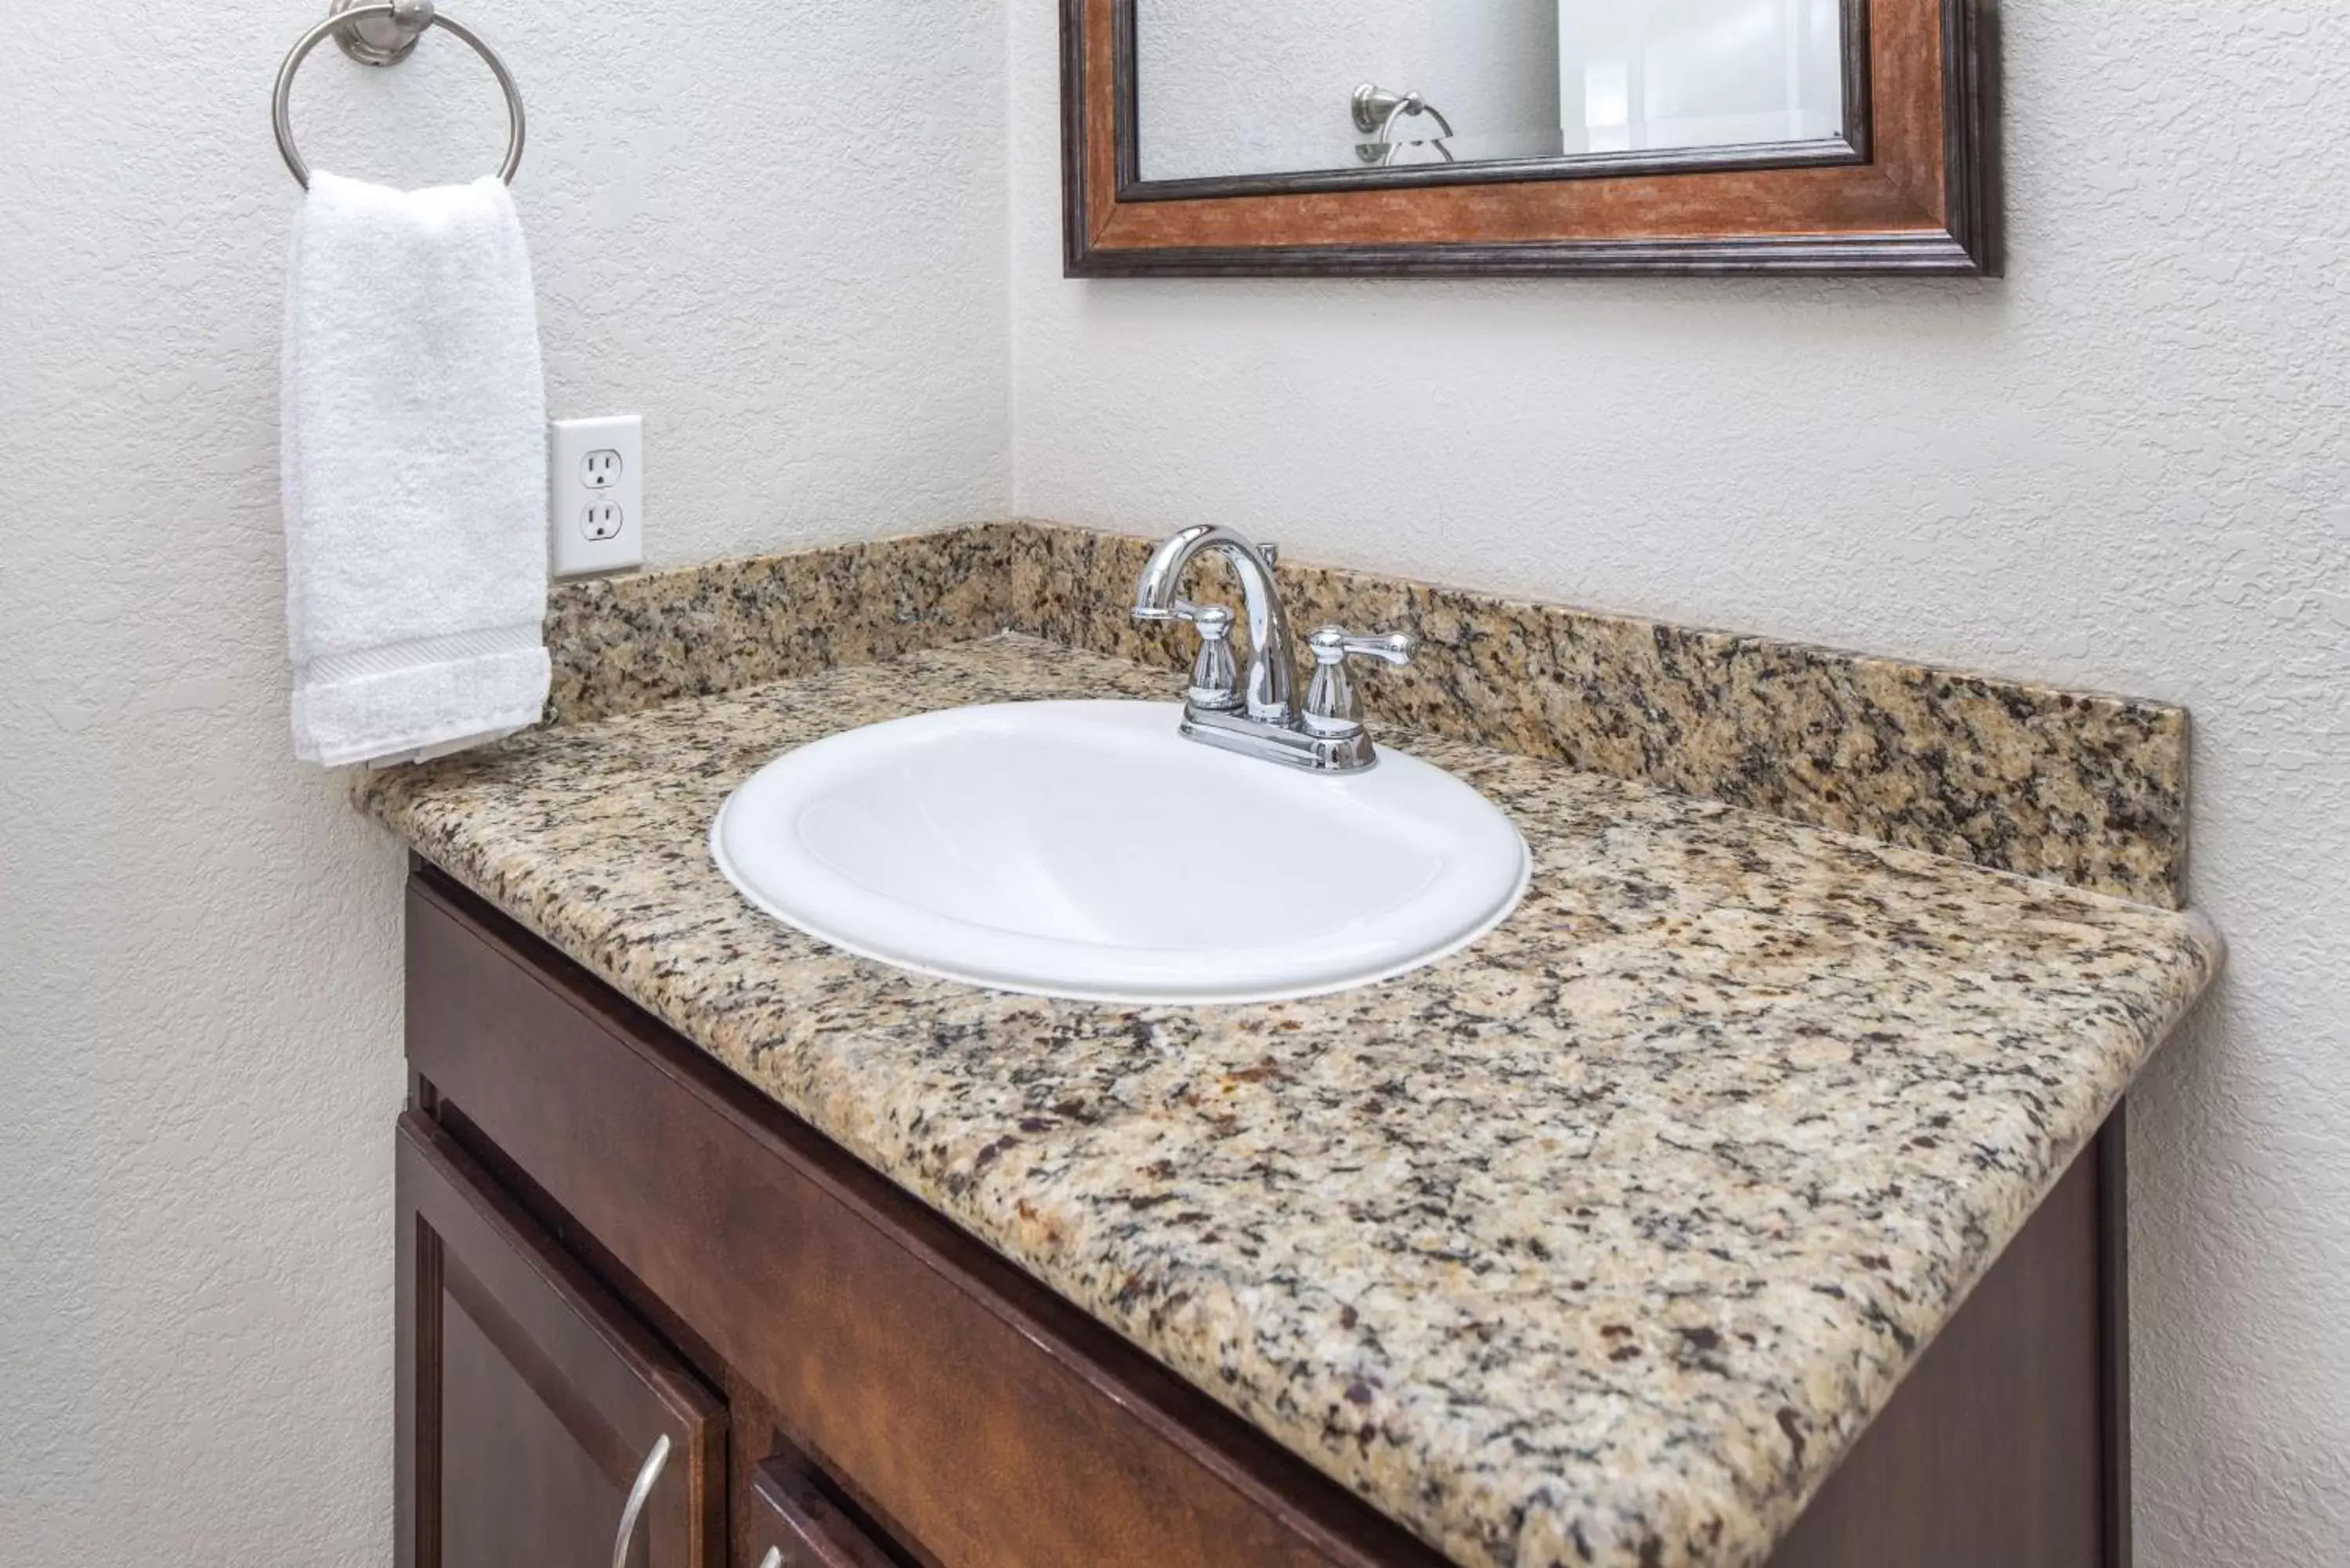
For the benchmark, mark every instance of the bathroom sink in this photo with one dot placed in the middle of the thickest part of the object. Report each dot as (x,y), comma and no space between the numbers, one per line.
(1085,849)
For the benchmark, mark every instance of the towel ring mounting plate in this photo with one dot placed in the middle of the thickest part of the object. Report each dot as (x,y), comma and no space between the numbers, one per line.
(384,33)
(384,41)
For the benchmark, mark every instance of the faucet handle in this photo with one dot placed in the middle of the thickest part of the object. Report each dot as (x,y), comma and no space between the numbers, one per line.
(1179,610)
(1333,644)
(1333,706)
(1215,673)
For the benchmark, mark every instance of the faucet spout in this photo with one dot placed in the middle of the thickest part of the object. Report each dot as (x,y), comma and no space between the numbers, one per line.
(1271,681)
(1324,732)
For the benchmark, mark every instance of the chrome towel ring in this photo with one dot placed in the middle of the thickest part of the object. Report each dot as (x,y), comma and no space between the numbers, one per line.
(1375,108)
(382,32)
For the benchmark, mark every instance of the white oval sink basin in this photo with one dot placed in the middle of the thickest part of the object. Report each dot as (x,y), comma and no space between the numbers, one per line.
(1086,850)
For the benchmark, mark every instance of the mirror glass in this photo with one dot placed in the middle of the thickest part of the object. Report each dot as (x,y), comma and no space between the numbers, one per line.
(1247,88)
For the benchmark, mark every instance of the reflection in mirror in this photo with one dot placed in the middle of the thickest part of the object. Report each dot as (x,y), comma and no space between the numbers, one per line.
(1237,88)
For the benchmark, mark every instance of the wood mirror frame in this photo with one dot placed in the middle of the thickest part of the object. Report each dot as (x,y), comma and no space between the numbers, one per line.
(1906,191)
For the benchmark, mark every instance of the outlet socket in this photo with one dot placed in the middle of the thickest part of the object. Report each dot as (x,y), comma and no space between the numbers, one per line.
(595,496)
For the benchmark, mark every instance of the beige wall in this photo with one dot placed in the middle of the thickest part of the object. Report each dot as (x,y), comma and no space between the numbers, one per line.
(2128,466)
(2123,466)
(198,980)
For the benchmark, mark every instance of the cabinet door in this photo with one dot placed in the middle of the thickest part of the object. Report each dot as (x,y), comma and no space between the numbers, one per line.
(540,1425)
(794,1524)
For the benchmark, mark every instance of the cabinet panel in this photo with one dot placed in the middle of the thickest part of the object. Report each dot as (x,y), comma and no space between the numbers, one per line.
(1992,1453)
(533,1410)
(985,1422)
(970,1419)
(794,1524)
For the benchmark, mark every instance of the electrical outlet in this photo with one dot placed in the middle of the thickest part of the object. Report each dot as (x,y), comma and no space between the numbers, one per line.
(595,496)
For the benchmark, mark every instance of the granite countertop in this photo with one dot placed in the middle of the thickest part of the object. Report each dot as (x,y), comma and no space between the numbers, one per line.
(1597,1242)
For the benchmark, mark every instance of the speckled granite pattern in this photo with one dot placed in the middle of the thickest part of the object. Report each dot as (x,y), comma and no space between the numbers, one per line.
(1595,1244)
(619,644)
(2079,788)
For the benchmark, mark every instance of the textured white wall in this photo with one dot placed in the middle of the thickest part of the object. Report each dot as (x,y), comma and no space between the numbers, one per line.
(199,974)
(2124,466)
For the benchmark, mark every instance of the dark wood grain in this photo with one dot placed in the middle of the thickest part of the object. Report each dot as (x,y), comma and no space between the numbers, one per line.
(1905,192)
(791,1513)
(993,1423)
(782,1499)
(1992,1453)
(949,1412)
(2113,1339)
(528,1400)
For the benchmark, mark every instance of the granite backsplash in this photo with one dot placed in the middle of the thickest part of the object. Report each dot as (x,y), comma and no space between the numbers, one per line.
(2076,787)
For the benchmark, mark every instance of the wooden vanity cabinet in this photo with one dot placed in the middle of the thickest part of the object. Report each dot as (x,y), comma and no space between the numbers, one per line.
(539,1422)
(607,1241)
(795,1523)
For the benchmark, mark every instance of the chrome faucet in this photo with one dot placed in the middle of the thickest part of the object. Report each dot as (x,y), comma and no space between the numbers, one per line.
(1258,714)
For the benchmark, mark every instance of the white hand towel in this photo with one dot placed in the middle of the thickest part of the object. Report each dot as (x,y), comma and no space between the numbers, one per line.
(414,454)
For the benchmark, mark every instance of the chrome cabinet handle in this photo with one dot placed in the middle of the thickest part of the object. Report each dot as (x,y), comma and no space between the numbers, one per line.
(646,1476)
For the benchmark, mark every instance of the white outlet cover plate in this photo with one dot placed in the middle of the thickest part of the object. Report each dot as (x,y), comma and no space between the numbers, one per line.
(583,486)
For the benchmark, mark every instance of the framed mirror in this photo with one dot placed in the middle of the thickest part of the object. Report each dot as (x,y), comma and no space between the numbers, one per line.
(1251,137)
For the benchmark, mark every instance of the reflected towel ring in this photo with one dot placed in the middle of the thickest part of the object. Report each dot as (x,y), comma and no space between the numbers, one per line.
(1375,108)
(408,20)
(1386,129)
